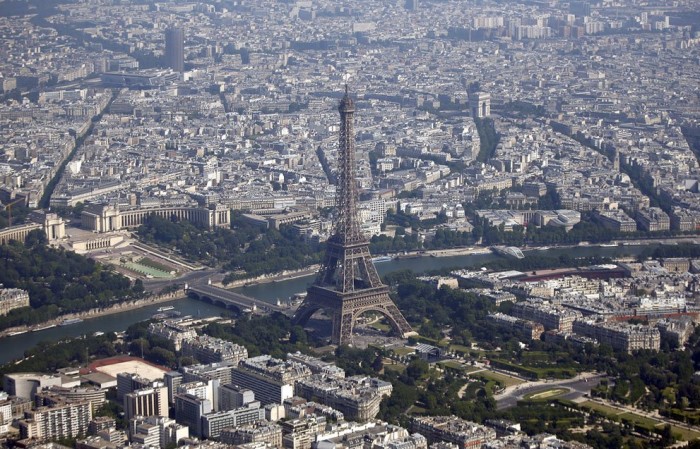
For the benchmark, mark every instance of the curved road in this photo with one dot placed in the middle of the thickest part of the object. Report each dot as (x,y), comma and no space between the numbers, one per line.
(578,386)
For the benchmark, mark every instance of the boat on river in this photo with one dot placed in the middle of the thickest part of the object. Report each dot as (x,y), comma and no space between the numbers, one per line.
(71,321)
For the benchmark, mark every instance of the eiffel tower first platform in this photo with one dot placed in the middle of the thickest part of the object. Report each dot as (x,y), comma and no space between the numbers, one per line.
(348,284)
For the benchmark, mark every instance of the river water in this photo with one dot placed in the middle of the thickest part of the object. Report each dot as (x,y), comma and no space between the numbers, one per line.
(12,348)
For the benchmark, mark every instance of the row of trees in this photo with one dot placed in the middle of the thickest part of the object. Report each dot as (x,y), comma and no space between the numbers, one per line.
(47,357)
(382,244)
(588,230)
(246,250)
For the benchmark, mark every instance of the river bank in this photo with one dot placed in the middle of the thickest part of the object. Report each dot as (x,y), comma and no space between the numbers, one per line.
(468,251)
(140,303)
(249,286)
(274,277)
(313,269)
(283,287)
(94,313)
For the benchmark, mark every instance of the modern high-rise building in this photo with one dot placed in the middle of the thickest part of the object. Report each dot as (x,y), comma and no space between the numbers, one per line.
(158,431)
(205,390)
(173,380)
(5,413)
(56,395)
(151,401)
(189,410)
(61,421)
(26,385)
(128,382)
(175,48)
(100,423)
(232,396)
(214,423)
(146,434)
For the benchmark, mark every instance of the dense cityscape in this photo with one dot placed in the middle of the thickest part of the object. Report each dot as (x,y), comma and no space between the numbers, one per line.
(307,224)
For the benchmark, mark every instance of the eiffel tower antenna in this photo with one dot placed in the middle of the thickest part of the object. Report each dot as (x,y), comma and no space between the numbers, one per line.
(348,284)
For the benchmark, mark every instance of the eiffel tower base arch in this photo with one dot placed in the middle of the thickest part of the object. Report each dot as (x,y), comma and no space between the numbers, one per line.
(345,308)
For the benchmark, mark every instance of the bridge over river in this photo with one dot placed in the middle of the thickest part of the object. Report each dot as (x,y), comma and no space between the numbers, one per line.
(229,299)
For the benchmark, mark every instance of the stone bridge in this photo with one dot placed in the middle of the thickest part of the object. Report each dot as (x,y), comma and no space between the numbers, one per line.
(231,300)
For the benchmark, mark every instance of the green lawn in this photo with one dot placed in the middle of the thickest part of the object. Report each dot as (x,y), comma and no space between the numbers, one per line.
(536,372)
(546,394)
(322,350)
(148,271)
(498,377)
(451,364)
(415,410)
(539,356)
(398,368)
(153,264)
(460,348)
(403,351)
(431,341)
(602,408)
(643,421)
(685,434)
(691,416)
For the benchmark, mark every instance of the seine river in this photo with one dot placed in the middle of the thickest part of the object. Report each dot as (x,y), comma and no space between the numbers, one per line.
(12,348)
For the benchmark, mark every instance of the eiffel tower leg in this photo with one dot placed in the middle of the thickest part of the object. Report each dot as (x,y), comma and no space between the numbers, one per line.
(398,321)
(304,312)
(343,322)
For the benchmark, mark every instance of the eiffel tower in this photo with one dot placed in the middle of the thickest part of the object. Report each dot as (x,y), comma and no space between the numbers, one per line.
(348,284)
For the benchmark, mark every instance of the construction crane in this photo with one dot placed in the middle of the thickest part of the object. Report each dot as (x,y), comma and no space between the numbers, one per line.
(8,208)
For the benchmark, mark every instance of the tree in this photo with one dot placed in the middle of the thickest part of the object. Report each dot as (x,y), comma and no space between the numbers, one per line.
(36,238)
(138,286)
(378,364)
(666,436)
(417,369)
